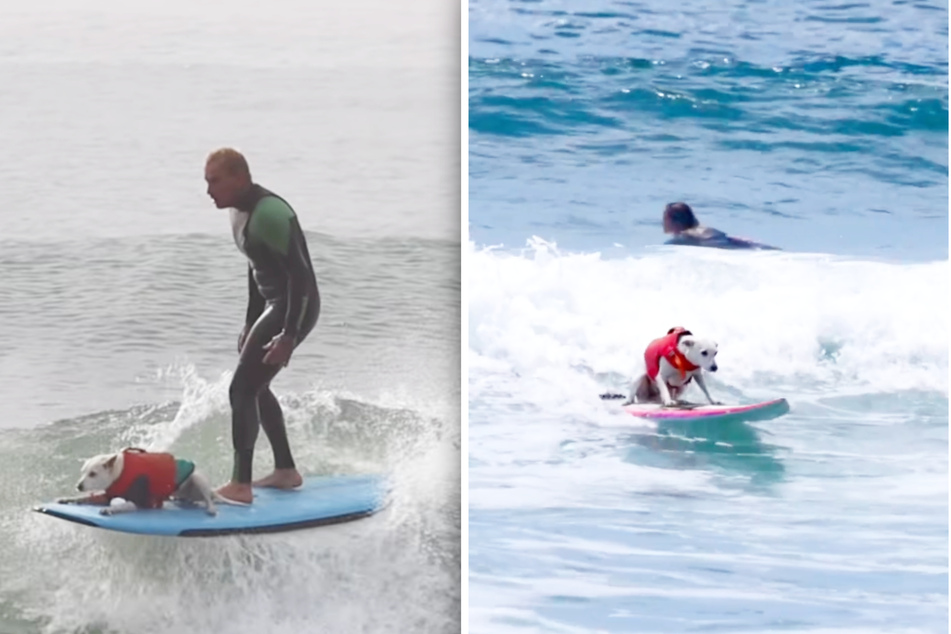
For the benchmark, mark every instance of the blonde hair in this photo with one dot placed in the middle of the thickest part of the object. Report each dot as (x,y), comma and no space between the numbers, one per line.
(232,160)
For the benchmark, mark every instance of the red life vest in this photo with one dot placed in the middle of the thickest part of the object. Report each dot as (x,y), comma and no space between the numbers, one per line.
(158,467)
(666,348)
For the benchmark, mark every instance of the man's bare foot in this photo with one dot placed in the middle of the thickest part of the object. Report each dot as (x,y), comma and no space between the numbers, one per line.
(237,492)
(281,479)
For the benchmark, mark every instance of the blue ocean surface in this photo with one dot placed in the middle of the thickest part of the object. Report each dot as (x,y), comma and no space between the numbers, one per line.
(817,127)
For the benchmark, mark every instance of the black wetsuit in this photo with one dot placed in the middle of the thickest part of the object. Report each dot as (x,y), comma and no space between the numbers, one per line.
(709,237)
(282,297)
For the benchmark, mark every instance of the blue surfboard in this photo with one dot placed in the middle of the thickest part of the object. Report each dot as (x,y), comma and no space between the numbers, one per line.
(320,501)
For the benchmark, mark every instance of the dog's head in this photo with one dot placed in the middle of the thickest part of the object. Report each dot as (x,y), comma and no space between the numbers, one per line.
(700,352)
(99,472)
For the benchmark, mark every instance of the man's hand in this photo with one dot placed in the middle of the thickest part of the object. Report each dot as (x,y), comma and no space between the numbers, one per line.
(279,350)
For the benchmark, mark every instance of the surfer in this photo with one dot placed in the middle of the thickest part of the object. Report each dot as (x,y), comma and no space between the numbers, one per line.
(680,221)
(283,306)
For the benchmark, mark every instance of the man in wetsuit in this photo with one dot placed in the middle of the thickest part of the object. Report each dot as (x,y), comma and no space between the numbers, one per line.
(687,230)
(283,306)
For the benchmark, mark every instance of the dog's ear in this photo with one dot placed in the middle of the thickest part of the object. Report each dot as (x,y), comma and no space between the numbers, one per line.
(687,342)
(111,462)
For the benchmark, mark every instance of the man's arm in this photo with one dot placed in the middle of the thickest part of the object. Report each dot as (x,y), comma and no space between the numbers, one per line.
(255,300)
(298,273)
(282,234)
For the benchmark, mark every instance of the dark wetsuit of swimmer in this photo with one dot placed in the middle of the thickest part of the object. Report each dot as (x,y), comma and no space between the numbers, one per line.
(282,297)
(709,237)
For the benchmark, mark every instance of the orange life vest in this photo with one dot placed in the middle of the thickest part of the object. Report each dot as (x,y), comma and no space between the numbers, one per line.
(666,348)
(159,468)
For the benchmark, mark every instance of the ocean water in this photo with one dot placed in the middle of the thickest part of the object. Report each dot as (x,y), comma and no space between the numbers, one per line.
(122,296)
(821,128)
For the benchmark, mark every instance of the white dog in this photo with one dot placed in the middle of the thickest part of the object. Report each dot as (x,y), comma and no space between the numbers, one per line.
(672,362)
(134,479)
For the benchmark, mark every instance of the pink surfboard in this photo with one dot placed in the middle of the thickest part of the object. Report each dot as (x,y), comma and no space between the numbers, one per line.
(766,410)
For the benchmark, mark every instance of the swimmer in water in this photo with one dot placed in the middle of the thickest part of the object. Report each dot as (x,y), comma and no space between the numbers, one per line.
(687,230)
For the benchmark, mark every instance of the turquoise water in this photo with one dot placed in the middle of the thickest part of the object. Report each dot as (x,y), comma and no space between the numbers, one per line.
(821,128)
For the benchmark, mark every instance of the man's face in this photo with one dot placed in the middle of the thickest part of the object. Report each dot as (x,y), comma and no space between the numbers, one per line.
(224,188)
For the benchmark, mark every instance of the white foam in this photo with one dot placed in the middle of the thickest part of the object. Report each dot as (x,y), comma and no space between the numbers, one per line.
(403,561)
(803,322)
